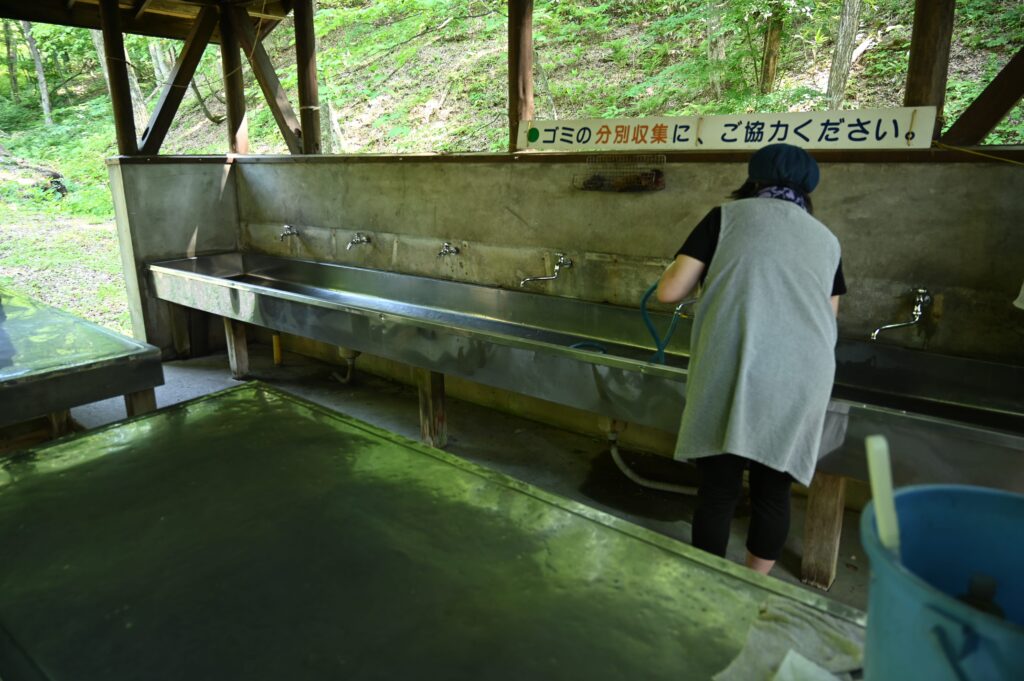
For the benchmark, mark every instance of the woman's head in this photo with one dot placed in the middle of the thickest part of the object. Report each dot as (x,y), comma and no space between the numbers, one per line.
(784,165)
(780,165)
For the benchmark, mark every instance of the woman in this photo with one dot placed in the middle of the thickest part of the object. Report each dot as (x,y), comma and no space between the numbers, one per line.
(762,349)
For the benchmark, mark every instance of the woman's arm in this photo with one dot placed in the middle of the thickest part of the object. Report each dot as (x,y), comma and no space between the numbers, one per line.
(679,279)
(835,305)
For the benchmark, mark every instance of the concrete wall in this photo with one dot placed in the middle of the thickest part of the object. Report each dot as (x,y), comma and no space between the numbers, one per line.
(167,211)
(955,228)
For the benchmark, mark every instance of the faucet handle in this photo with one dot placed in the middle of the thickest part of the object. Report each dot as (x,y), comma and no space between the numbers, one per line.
(563,260)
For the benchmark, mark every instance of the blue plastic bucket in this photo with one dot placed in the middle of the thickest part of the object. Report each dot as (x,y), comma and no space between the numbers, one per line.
(955,540)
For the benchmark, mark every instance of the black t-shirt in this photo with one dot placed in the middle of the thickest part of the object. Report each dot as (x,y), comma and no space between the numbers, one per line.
(703,241)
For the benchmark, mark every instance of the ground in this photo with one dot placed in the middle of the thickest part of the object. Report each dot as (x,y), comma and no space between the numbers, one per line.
(70,263)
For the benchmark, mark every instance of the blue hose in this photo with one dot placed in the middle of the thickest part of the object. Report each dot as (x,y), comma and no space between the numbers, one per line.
(659,356)
(589,345)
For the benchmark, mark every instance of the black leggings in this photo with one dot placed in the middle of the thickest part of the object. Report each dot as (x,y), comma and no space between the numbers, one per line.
(720,489)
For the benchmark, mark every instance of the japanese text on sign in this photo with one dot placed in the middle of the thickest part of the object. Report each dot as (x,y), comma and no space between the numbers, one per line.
(906,128)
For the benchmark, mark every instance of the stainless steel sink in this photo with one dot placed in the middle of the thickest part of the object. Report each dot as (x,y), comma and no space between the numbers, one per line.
(524,342)
(501,315)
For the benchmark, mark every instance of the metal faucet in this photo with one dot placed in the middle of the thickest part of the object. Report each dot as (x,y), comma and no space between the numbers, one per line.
(287,232)
(447,249)
(561,263)
(357,238)
(683,305)
(922,299)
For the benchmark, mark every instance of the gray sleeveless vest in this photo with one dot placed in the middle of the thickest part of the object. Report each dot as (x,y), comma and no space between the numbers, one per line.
(762,348)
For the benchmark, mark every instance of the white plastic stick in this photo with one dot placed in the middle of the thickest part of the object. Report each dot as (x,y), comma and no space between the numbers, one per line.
(880,471)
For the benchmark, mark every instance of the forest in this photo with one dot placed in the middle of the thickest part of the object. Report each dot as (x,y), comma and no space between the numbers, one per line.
(400,76)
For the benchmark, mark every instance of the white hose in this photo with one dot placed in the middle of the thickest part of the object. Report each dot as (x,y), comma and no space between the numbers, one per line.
(350,370)
(613,439)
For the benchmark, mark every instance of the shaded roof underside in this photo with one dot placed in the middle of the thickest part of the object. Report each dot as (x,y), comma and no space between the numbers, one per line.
(158,18)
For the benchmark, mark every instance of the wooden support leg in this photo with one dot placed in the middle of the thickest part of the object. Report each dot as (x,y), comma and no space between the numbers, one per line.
(140,403)
(238,351)
(179,330)
(433,419)
(823,528)
(60,423)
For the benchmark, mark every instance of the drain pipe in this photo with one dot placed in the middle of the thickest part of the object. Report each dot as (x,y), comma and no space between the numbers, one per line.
(349,357)
(613,441)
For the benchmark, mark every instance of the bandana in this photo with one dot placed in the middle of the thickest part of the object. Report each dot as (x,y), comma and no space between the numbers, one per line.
(784,193)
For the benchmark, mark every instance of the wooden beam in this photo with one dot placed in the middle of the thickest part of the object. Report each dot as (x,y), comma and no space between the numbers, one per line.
(823,528)
(82,15)
(140,7)
(269,10)
(990,107)
(177,84)
(433,415)
(117,67)
(520,66)
(309,91)
(263,69)
(929,55)
(234,88)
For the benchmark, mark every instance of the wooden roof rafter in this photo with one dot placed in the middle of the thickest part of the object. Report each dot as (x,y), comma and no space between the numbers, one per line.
(157,18)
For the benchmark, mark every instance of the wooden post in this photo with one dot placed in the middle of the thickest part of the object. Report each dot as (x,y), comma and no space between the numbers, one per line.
(60,423)
(990,107)
(117,67)
(309,92)
(263,69)
(433,418)
(520,66)
(142,402)
(238,349)
(234,87)
(823,528)
(929,56)
(181,75)
(179,330)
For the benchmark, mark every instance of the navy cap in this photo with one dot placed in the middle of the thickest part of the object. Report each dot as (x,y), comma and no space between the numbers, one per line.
(784,164)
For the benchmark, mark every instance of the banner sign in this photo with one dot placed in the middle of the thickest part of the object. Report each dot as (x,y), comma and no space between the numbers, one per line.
(906,128)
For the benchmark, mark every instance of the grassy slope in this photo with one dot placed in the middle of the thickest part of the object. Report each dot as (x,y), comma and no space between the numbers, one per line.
(420,75)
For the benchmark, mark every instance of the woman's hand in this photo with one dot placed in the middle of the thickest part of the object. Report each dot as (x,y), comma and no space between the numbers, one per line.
(679,279)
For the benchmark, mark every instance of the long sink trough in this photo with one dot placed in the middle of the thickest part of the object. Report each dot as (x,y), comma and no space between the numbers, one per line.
(948,419)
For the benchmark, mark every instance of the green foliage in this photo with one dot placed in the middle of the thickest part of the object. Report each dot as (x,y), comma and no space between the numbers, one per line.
(988,24)
(14,116)
(75,147)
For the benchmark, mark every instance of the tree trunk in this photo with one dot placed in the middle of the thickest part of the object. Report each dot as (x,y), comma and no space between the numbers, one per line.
(97,42)
(202,104)
(716,45)
(44,94)
(12,61)
(842,58)
(139,112)
(160,69)
(138,101)
(770,56)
